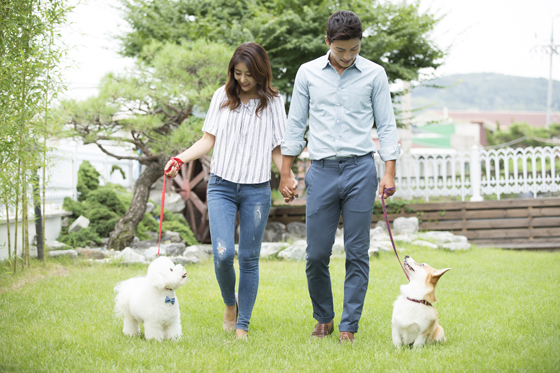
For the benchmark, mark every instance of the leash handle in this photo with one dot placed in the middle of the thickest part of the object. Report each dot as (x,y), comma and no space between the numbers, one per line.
(177,166)
(393,189)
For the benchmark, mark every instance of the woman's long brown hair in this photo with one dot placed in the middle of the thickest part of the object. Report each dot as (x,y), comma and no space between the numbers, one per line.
(256,59)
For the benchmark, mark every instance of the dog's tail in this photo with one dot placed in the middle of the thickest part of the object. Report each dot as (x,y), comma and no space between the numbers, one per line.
(123,290)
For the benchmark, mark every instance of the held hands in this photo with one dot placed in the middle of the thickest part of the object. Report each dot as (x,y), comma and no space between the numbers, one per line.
(172,167)
(288,188)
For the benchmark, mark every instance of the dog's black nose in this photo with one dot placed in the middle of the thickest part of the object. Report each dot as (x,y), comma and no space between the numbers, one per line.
(406,257)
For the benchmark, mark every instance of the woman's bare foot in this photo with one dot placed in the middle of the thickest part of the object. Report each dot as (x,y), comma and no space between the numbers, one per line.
(241,334)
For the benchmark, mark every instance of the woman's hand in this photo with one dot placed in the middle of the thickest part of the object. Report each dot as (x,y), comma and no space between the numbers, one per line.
(172,168)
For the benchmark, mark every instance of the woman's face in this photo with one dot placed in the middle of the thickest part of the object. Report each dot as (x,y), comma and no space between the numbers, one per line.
(244,78)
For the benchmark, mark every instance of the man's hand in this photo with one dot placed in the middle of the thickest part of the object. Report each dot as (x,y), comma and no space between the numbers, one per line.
(388,180)
(288,188)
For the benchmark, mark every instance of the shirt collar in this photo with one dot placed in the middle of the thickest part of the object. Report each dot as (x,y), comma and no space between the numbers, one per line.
(356,64)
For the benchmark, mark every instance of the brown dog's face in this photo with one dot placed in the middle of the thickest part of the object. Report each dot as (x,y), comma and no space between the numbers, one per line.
(423,275)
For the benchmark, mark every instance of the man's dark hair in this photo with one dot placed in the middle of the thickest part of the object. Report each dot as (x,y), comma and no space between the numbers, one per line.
(344,25)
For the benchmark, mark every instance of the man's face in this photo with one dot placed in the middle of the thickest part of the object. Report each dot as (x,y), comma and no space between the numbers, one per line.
(344,52)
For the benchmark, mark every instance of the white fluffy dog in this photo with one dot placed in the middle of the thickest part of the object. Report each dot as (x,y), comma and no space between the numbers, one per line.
(151,300)
(415,320)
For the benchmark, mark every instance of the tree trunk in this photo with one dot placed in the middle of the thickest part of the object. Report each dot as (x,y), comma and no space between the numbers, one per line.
(125,229)
(38,217)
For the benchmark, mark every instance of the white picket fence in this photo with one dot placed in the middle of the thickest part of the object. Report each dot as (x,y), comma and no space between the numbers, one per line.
(471,174)
(474,174)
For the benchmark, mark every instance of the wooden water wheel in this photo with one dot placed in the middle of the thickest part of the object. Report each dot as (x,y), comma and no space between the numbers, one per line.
(191,183)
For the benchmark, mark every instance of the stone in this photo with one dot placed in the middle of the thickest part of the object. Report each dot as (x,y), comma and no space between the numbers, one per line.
(195,252)
(456,246)
(404,225)
(61,253)
(381,245)
(174,237)
(271,248)
(297,229)
(437,236)
(402,238)
(338,247)
(294,252)
(381,224)
(274,231)
(90,253)
(145,244)
(55,245)
(174,202)
(64,222)
(105,241)
(378,233)
(150,207)
(425,244)
(81,223)
(183,260)
(457,238)
(128,255)
(373,251)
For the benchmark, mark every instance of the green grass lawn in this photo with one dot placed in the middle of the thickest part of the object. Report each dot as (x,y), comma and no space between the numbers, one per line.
(499,309)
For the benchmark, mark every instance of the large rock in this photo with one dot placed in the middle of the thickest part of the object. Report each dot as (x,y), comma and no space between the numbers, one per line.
(150,207)
(452,246)
(128,255)
(274,231)
(183,260)
(90,253)
(61,253)
(425,244)
(174,249)
(439,237)
(378,234)
(338,246)
(81,223)
(404,225)
(145,244)
(174,202)
(381,245)
(55,245)
(195,252)
(174,237)
(297,229)
(271,248)
(294,252)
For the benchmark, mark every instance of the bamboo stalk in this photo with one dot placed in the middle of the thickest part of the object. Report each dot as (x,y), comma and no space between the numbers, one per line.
(24,223)
(8,225)
(16,224)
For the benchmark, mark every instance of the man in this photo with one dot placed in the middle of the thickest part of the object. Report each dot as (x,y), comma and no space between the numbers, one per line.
(340,95)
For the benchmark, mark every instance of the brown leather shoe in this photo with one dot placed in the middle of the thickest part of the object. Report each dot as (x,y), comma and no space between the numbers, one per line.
(346,337)
(323,330)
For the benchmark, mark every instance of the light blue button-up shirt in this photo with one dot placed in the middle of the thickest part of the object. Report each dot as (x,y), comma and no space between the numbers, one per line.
(341,110)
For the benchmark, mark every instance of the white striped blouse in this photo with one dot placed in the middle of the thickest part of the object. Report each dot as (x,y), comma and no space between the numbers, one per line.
(244,142)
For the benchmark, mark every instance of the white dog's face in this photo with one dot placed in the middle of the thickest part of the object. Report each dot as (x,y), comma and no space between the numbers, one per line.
(164,274)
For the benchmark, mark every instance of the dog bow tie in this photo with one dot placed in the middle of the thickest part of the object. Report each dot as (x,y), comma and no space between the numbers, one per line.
(169,300)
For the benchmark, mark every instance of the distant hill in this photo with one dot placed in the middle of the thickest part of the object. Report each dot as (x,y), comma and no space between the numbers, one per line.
(488,92)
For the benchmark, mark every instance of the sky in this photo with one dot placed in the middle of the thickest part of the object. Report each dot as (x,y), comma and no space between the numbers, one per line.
(497,36)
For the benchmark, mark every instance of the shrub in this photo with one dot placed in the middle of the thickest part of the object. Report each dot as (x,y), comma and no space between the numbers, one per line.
(108,198)
(84,237)
(88,180)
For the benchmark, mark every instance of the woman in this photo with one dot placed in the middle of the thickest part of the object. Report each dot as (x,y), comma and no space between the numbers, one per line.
(245,125)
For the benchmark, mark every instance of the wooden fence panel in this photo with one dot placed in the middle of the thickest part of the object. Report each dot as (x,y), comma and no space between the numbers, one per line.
(513,224)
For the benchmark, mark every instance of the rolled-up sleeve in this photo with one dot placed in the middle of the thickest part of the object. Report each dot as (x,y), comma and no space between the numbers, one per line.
(293,142)
(389,148)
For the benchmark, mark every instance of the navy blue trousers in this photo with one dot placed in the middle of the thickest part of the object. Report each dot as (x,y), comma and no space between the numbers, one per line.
(347,186)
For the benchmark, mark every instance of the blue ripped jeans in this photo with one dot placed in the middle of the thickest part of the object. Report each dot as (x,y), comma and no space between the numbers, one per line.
(252,201)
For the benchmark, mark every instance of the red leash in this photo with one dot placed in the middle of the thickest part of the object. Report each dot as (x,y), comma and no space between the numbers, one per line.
(389,228)
(177,166)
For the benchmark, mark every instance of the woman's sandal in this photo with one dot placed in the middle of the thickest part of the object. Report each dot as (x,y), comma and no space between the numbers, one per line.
(228,325)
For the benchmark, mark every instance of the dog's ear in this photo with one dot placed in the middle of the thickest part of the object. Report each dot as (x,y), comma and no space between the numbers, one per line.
(434,276)
(157,280)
